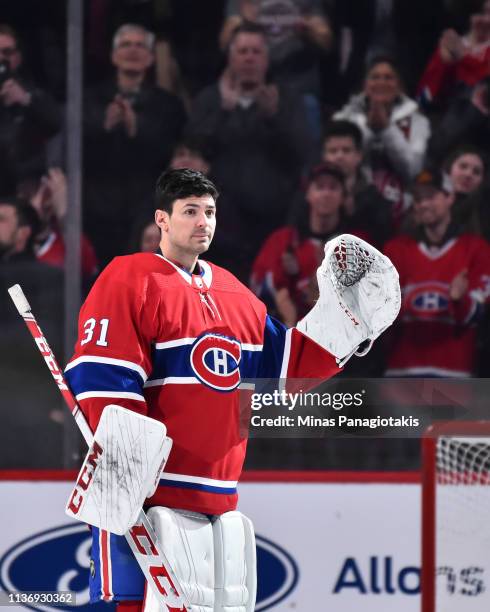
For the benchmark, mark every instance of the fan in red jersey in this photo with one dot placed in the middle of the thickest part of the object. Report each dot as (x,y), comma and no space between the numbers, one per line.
(444,276)
(284,271)
(51,202)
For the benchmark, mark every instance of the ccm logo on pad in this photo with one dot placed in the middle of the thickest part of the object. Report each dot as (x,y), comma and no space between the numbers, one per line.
(85,478)
(215,360)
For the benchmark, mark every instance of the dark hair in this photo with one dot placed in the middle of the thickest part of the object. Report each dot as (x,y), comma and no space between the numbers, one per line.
(383,59)
(325,168)
(248,27)
(7,30)
(26,216)
(344,129)
(464,150)
(183,183)
(195,144)
(137,229)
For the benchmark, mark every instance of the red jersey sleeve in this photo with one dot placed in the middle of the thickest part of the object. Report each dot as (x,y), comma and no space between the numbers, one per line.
(112,358)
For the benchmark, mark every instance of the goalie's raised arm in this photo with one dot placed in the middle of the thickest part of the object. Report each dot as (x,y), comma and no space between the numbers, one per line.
(359,298)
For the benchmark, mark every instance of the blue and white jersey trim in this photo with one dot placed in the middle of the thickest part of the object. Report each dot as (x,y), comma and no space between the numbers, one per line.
(208,485)
(108,361)
(277,348)
(109,394)
(171,362)
(109,378)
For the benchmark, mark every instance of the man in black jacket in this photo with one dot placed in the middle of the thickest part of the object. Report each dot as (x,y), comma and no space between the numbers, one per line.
(364,206)
(31,435)
(29,116)
(257,133)
(130,130)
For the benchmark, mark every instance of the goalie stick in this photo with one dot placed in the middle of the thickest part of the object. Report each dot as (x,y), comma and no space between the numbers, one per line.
(141,537)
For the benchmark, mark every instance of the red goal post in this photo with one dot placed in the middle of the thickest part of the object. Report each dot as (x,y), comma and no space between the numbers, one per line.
(456,517)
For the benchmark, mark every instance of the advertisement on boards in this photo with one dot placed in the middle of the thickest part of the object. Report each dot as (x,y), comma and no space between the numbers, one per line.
(320,545)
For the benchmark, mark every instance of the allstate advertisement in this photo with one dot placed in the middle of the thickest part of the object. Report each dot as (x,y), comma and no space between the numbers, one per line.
(320,546)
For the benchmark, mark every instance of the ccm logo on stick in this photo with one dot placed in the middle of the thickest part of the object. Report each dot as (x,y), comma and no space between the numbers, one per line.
(85,477)
(215,360)
(145,545)
(50,361)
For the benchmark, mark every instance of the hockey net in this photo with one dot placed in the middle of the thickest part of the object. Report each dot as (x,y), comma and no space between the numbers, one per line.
(456,518)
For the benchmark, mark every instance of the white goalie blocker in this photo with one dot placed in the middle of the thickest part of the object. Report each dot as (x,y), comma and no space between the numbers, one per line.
(214,559)
(359,298)
(121,470)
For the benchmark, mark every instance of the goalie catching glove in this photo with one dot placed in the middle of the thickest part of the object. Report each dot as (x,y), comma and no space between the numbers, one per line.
(121,470)
(359,298)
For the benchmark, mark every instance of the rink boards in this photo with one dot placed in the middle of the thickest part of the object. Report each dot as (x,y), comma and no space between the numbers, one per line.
(347,540)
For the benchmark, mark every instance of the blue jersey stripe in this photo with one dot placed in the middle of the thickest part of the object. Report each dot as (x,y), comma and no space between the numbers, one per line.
(198,487)
(273,352)
(175,362)
(103,377)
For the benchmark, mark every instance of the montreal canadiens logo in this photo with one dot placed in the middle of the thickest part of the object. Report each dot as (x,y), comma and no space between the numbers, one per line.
(428,299)
(215,360)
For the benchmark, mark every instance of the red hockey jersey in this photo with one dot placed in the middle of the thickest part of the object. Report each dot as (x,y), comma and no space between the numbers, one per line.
(440,79)
(269,273)
(176,346)
(52,252)
(434,335)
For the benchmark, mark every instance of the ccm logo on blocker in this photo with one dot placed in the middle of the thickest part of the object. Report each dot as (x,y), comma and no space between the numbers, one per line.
(25,567)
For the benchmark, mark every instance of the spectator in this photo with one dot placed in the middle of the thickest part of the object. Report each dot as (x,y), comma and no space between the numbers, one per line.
(467,168)
(299,36)
(191,153)
(28,116)
(131,128)
(395,132)
(146,236)
(458,60)
(284,272)
(443,276)
(18,226)
(31,416)
(150,238)
(369,28)
(50,202)
(364,205)
(466,122)
(259,140)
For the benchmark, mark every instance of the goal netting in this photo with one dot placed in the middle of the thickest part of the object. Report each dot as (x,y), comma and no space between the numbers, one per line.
(456,518)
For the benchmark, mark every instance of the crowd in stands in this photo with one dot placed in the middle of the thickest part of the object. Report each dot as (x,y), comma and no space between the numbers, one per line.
(313,117)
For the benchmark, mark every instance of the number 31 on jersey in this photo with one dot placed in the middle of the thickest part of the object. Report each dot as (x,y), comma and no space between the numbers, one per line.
(90,326)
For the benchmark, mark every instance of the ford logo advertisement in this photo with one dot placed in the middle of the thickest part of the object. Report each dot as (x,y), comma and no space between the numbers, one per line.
(59,560)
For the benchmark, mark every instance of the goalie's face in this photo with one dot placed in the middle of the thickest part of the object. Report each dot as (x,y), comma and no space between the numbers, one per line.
(189,229)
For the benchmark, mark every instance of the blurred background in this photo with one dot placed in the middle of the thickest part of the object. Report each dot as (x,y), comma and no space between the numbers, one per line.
(313,117)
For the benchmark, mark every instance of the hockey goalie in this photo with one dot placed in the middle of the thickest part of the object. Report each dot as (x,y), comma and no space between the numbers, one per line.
(165,340)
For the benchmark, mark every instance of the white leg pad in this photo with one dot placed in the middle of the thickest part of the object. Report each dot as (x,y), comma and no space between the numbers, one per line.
(235,563)
(187,540)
